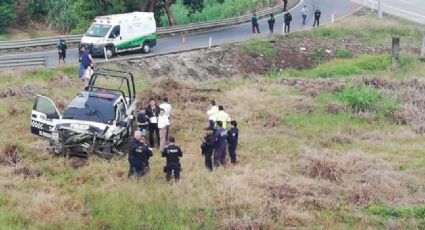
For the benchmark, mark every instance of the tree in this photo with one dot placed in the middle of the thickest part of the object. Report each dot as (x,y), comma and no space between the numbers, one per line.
(7,14)
(153,5)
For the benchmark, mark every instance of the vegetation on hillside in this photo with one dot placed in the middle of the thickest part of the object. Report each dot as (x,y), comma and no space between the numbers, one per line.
(340,152)
(74,16)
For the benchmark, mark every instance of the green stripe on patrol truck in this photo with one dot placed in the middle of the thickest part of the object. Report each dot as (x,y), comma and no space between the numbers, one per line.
(135,42)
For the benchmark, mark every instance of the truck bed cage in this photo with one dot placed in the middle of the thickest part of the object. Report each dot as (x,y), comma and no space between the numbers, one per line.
(124,76)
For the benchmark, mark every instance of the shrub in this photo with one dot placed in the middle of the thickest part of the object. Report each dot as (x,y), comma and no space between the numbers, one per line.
(360,98)
(364,98)
(213,10)
(343,53)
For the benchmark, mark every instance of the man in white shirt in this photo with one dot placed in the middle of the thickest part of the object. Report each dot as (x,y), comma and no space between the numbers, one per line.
(223,116)
(212,115)
(163,124)
(304,11)
(167,111)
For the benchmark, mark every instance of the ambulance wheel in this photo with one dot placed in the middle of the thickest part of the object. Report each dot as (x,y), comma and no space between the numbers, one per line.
(146,48)
(109,52)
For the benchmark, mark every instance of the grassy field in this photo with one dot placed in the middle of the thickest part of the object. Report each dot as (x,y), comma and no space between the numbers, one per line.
(341,150)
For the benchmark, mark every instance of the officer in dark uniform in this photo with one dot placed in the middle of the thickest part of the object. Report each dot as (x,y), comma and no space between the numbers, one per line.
(317,15)
(139,152)
(172,153)
(207,148)
(287,18)
(232,140)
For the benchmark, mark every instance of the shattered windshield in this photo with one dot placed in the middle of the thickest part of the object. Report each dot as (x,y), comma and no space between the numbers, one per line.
(98,30)
(87,108)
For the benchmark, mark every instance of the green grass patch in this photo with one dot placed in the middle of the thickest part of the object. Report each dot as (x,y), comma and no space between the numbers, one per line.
(259,47)
(398,211)
(343,53)
(371,29)
(121,209)
(362,98)
(344,67)
(319,122)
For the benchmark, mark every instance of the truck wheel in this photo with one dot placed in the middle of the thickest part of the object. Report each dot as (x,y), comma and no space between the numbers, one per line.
(146,48)
(109,52)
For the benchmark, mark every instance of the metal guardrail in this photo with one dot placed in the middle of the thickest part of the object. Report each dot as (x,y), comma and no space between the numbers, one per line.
(50,41)
(22,62)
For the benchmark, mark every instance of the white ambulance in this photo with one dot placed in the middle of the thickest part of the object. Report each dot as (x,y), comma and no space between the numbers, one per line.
(112,34)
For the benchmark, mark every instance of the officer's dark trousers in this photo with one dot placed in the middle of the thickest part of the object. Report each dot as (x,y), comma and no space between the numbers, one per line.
(287,26)
(208,161)
(153,128)
(136,168)
(220,156)
(232,153)
(255,27)
(169,170)
(271,28)
(316,20)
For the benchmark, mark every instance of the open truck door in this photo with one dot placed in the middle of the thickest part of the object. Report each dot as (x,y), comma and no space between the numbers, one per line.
(44,116)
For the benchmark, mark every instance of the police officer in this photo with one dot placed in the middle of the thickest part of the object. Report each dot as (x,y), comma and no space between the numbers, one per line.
(172,153)
(139,153)
(317,15)
(271,23)
(207,148)
(232,140)
(220,144)
(287,18)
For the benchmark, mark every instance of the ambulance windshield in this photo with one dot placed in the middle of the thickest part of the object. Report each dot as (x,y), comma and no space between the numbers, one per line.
(98,30)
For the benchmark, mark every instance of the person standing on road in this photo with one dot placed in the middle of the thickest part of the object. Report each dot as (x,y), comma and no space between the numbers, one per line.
(87,62)
(81,67)
(163,124)
(317,14)
(285,4)
(287,18)
(167,111)
(207,148)
(212,114)
(223,117)
(304,12)
(220,144)
(172,153)
(232,140)
(271,23)
(152,112)
(62,47)
(138,156)
(142,121)
(254,21)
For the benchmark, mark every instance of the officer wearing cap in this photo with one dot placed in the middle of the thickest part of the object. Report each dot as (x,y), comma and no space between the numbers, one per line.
(207,147)
(138,155)
(172,153)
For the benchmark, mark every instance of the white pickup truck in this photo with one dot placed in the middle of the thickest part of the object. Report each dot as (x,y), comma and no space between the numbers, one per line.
(96,121)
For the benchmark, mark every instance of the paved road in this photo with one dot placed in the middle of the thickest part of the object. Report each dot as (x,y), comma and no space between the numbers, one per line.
(413,10)
(226,35)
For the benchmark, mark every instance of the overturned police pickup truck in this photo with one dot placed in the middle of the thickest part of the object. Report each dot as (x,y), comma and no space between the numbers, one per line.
(96,121)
